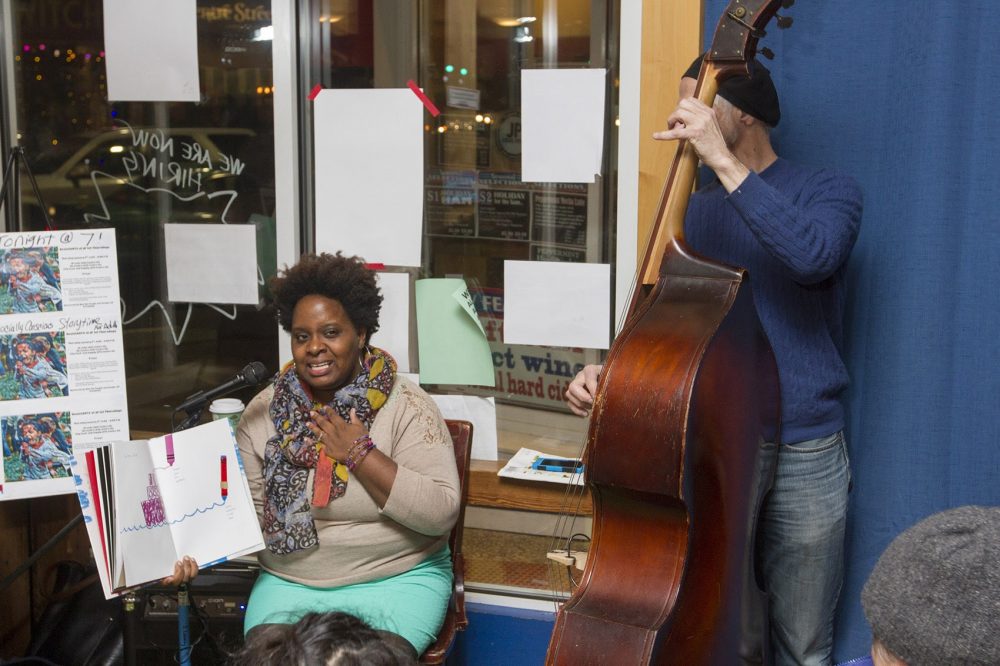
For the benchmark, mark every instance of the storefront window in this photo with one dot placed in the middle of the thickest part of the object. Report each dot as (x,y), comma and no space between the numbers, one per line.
(468,56)
(123,165)
(478,213)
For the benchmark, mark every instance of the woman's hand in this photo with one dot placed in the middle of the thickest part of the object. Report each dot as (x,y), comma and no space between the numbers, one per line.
(185,571)
(339,436)
(336,434)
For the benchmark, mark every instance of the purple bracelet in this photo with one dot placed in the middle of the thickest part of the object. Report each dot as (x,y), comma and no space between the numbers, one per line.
(362,445)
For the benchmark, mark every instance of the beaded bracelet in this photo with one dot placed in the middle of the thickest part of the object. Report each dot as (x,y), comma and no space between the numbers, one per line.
(362,445)
(357,444)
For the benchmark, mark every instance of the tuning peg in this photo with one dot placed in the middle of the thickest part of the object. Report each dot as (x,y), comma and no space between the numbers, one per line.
(784,21)
(767,53)
(787,3)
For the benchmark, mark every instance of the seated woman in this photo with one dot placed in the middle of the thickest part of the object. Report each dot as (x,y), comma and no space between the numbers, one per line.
(351,467)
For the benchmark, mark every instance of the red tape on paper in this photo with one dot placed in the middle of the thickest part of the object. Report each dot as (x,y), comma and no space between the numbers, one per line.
(423,98)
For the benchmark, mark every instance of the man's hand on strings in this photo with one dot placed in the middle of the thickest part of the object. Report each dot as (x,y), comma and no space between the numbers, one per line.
(581,391)
(696,122)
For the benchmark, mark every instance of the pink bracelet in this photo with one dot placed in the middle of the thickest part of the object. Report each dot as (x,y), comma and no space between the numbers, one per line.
(362,445)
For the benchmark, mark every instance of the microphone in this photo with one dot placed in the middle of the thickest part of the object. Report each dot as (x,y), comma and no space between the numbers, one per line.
(253,374)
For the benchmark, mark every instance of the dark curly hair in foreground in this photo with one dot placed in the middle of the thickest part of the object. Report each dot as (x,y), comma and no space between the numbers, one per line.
(324,639)
(345,279)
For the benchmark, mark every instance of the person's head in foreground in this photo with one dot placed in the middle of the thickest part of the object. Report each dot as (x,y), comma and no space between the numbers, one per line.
(324,639)
(934,595)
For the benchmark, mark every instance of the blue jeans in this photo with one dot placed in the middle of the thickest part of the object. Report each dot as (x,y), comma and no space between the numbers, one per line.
(800,546)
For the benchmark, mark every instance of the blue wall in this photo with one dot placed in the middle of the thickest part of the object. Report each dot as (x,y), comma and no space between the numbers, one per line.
(905,97)
(497,635)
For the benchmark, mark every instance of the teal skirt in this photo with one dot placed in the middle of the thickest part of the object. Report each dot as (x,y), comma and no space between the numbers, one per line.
(411,604)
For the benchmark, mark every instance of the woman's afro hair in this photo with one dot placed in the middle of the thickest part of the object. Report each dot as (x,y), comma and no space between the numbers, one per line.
(344,279)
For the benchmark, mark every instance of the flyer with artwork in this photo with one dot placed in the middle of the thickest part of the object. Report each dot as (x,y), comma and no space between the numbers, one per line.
(148,503)
(62,371)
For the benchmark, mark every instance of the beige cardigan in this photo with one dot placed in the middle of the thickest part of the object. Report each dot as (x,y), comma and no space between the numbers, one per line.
(357,541)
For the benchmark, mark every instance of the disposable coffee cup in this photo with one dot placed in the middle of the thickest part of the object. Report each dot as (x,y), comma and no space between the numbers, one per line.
(227,408)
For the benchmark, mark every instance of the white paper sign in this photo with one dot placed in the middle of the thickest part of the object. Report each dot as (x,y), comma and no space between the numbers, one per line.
(151,50)
(369,157)
(562,124)
(462,98)
(62,385)
(557,303)
(394,318)
(211,263)
(482,412)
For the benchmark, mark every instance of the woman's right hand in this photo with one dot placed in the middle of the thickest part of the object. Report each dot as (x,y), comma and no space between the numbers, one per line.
(581,391)
(185,571)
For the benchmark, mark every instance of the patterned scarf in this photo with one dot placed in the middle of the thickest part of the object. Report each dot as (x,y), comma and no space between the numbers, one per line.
(289,455)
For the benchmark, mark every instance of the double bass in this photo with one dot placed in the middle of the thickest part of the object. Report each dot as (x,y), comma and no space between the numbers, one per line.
(687,395)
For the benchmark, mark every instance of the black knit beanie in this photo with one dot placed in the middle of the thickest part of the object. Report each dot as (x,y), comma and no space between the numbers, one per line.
(934,595)
(754,94)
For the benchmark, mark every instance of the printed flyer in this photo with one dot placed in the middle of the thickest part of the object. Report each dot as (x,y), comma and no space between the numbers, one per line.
(62,370)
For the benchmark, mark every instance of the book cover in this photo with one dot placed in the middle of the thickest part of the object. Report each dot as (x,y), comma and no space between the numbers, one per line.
(148,503)
(531,465)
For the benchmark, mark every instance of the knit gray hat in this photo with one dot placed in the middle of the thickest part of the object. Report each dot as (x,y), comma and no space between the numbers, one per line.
(934,595)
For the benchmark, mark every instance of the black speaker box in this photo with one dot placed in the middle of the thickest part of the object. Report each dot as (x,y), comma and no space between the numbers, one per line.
(218,600)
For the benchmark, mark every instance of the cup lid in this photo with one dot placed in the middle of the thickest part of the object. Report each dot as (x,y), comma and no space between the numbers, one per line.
(226,405)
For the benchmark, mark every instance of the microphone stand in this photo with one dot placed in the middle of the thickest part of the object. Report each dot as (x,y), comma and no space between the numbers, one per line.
(183,596)
(193,406)
(191,419)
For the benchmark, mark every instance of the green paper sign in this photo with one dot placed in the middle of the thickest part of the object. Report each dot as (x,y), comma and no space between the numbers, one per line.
(451,342)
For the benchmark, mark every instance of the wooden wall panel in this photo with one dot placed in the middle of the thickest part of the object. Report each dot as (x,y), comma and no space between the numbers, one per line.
(671,39)
(15,611)
(25,526)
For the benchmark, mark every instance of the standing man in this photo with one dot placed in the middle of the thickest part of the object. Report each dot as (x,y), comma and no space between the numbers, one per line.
(792,227)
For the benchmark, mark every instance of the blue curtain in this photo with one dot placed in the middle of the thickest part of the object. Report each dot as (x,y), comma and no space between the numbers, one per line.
(905,96)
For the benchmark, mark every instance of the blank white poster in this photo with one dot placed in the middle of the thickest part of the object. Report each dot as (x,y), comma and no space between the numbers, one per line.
(482,412)
(556,303)
(211,263)
(151,50)
(393,333)
(369,156)
(562,124)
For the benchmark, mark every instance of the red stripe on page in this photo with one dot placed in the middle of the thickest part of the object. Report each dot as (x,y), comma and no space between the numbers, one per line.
(423,98)
(95,498)
(315,91)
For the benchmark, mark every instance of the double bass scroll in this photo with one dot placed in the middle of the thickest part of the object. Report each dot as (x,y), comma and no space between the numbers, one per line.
(688,393)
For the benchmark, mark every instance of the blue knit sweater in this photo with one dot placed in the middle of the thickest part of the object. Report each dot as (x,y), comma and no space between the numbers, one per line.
(792,228)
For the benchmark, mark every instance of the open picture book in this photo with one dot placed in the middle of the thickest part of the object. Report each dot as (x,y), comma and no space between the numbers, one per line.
(148,503)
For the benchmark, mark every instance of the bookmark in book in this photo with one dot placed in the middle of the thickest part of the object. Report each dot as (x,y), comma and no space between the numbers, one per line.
(223,482)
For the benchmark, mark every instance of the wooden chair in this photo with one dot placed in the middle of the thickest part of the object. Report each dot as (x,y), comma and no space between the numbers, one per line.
(455,619)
